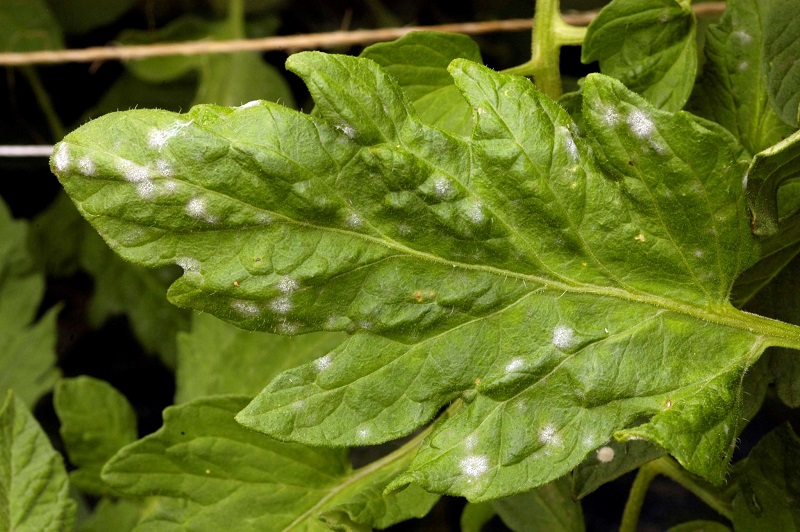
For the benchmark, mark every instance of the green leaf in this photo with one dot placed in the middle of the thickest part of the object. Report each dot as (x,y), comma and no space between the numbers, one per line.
(27,350)
(213,472)
(80,16)
(475,515)
(224,79)
(699,526)
(56,235)
(419,61)
(732,89)
(28,25)
(120,515)
(96,422)
(779,59)
(768,170)
(212,356)
(611,462)
(139,293)
(649,45)
(34,491)
(769,484)
(550,507)
(564,290)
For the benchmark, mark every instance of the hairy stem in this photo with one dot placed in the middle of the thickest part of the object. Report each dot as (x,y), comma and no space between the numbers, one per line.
(717,499)
(550,33)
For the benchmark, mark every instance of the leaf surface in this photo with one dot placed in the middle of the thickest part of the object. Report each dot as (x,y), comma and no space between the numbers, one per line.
(549,507)
(604,466)
(96,422)
(211,357)
(419,61)
(780,59)
(34,491)
(27,350)
(649,45)
(769,484)
(732,90)
(565,289)
(211,470)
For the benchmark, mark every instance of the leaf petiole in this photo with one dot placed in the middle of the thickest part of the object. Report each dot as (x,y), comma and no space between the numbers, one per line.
(717,499)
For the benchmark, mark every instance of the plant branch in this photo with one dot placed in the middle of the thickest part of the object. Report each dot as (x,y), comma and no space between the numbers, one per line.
(292,42)
(713,497)
(57,129)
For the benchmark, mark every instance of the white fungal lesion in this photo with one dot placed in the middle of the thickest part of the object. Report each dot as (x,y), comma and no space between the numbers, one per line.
(474,212)
(323,363)
(189,264)
(197,207)
(563,337)
(287,285)
(281,305)
(640,124)
(515,365)
(247,308)
(548,435)
(569,142)
(474,465)
(353,220)
(347,129)
(62,158)
(605,454)
(163,168)
(87,166)
(158,138)
(249,104)
(442,187)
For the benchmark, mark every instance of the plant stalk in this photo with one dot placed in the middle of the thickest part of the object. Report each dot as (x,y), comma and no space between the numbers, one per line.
(668,467)
(57,129)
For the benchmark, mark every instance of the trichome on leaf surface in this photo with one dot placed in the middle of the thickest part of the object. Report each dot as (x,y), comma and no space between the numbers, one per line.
(539,292)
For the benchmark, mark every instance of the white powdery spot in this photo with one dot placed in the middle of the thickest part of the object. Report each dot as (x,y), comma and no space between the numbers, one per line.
(569,142)
(287,328)
(158,138)
(698,253)
(287,285)
(640,124)
(475,213)
(403,230)
(323,363)
(470,442)
(163,168)
(514,365)
(363,433)
(249,104)
(549,436)
(442,187)
(146,189)
(86,166)
(743,36)
(248,308)
(474,466)
(610,116)
(281,305)
(353,220)
(347,129)
(563,337)
(605,454)
(744,65)
(188,264)
(133,172)
(198,208)
(170,185)
(62,158)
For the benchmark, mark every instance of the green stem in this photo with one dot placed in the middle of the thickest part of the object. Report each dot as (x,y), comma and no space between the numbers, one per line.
(633,507)
(549,34)
(715,498)
(57,129)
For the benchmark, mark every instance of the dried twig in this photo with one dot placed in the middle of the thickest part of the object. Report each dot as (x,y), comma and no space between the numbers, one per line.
(290,42)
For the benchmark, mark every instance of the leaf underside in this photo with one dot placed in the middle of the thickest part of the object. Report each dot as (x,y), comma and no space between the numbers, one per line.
(567,289)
